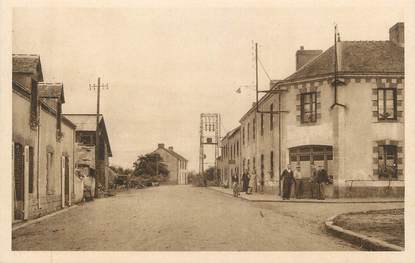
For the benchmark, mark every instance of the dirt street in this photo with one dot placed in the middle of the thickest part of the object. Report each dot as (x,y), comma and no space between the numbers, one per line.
(184,218)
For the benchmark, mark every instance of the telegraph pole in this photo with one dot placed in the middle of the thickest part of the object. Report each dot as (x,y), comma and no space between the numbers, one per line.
(97,138)
(98,86)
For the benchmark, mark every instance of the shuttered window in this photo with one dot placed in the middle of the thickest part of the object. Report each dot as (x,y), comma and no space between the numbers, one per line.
(31,169)
(387,104)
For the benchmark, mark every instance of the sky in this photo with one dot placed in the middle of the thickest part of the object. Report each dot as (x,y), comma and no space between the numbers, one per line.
(166,66)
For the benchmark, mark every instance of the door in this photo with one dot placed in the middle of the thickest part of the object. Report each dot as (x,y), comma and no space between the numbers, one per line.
(18,171)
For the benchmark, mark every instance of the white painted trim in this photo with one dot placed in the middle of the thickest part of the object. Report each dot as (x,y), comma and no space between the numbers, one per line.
(63,180)
(26,183)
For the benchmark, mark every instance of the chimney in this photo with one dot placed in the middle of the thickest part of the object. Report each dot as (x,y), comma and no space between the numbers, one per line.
(397,34)
(303,56)
(170,148)
(161,145)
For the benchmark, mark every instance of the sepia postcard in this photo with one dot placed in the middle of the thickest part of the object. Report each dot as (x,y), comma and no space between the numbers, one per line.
(218,131)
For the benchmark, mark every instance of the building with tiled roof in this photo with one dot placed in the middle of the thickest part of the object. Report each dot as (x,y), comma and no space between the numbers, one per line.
(42,139)
(343,110)
(95,171)
(176,164)
(229,163)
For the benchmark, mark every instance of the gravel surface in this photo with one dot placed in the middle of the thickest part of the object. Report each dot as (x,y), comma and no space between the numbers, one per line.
(186,218)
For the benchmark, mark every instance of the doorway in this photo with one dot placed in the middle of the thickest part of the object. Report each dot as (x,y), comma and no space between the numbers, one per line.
(306,155)
(66,171)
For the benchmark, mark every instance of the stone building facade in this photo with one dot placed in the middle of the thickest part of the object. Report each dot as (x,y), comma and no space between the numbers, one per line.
(348,119)
(42,143)
(95,172)
(230,160)
(176,164)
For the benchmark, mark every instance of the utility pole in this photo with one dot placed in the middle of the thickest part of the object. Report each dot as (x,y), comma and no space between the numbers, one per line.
(98,86)
(275,89)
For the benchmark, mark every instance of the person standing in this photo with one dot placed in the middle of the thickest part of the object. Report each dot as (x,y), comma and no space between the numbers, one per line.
(299,184)
(244,182)
(235,186)
(323,178)
(313,182)
(288,179)
(251,182)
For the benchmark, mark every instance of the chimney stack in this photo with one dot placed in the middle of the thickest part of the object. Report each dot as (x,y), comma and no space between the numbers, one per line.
(170,148)
(397,34)
(161,145)
(303,56)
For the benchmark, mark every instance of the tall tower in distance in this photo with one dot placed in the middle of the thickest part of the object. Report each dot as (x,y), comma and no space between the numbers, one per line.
(210,124)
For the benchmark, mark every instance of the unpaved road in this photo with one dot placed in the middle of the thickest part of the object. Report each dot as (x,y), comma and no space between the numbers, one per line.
(186,218)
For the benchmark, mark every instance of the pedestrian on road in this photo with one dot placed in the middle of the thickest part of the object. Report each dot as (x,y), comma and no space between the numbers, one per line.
(322,178)
(299,184)
(235,185)
(288,179)
(245,182)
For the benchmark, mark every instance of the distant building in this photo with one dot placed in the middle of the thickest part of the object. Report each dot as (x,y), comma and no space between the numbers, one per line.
(176,164)
(360,144)
(42,143)
(93,172)
(230,159)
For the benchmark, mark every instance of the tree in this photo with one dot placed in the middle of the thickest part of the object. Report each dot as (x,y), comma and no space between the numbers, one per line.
(146,166)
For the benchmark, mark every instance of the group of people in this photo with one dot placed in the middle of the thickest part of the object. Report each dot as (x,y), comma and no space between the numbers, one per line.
(248,183)
(318,178)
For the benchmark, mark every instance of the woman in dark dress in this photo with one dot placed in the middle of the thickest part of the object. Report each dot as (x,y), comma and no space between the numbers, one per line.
(288,180)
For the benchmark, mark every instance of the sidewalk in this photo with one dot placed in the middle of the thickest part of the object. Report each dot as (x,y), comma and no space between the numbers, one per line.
(266,197)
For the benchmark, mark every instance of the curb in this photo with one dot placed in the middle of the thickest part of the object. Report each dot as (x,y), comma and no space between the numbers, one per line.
(330,201)
(360,240)
(33,221)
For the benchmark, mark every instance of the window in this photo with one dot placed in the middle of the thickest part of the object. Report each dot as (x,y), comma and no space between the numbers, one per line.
(33,104)
(271,164)
(31,169)
(18,159)
(59,120)
(309,107)
(271,117)
(87,139)
(262,124)
(253,128)
(237,148)
(387,162)
(248,132)
(243,135)
(49,172)
(253,164)
(262,165)
(387,104)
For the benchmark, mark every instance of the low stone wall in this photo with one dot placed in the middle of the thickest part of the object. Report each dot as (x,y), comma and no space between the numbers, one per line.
(49,204)
(372,191)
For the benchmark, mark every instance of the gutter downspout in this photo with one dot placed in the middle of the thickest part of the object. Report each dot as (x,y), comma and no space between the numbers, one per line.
(336,80)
